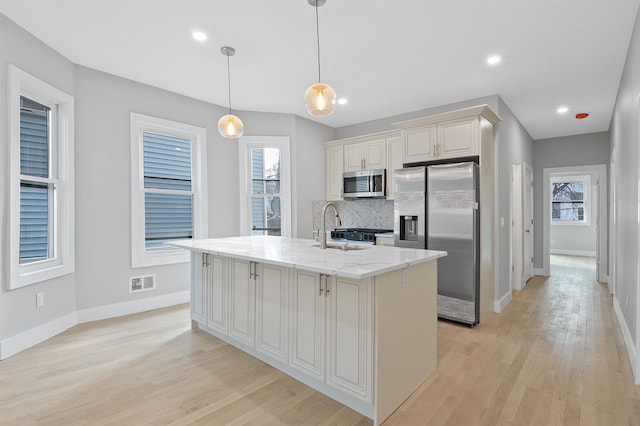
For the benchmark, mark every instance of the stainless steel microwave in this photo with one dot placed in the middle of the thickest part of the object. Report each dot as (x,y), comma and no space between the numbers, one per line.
(364,184)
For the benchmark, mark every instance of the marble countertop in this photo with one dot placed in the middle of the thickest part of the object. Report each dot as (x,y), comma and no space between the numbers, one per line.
(357,262)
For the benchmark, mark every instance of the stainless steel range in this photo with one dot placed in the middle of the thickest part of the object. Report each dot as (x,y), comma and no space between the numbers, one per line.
(362,235)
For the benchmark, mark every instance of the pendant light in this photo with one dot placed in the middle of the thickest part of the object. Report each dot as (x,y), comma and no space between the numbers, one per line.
(229,125)
(320,98)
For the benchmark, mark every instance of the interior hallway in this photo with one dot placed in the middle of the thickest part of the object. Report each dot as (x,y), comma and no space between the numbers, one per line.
(554,356)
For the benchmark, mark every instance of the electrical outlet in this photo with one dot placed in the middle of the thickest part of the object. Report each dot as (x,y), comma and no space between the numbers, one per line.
(39,300)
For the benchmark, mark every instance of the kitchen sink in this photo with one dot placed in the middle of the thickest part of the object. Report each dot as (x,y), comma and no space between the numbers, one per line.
(342,246)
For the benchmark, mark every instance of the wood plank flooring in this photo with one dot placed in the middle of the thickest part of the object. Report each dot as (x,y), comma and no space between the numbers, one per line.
(555,356)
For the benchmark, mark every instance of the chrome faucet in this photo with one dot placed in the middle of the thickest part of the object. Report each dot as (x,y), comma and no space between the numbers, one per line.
(323,230)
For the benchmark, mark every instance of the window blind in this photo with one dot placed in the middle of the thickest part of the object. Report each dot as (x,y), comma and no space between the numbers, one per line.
(167,172)
(34,196)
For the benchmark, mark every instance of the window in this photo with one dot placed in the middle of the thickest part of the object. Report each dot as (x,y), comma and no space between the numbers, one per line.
(41,204)
(264,180)
(569,199)
(168,202)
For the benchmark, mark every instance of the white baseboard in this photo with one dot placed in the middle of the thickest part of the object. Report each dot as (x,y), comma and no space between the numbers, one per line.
(26,339)
(132,307)
(499,305)
(628,341)
(540,272)
(574,252)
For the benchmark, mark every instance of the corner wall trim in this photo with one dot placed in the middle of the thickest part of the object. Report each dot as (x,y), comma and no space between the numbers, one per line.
(540,271)
(628,341)
(132,307)
(499,305)
(26,339)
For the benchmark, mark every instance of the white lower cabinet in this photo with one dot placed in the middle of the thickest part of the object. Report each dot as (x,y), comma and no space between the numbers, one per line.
(331,333)
(272,302)
(241,300)
(350,314)
(217,293)
(308,323)
(199,284)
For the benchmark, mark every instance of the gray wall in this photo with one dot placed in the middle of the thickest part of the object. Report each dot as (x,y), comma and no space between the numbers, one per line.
(577,150)
(18,307)
(103,230)
(625,155)
(513,144)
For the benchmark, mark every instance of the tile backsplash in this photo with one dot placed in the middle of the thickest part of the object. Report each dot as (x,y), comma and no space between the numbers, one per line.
(366,213)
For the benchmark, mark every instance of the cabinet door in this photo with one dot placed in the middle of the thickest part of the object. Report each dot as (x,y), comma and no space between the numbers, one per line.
(394,161)
(241,301)
(374,153)
(272,287)
(350,337)
(199,287)
(307,324)
(419,144)
(458,138)
(217,312)
(334,165)
(353,157)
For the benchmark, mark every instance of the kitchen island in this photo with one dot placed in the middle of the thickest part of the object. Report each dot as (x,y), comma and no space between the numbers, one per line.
(357,323)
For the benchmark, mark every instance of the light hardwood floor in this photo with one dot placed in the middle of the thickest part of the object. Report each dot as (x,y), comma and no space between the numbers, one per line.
(554,356)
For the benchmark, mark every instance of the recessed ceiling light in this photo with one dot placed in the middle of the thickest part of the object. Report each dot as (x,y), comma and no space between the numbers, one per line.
(562,110)
(199,35)
(493,60)
(342,101)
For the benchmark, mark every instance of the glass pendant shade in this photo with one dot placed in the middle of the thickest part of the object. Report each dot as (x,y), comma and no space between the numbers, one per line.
(230,126)
(320,99)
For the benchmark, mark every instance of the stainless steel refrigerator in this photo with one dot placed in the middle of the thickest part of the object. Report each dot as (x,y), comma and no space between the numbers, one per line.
(436,207)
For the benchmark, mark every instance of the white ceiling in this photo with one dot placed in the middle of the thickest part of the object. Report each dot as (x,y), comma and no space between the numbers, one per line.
(387,57)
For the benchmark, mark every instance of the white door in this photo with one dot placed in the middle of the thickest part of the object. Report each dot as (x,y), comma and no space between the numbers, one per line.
(528,222)
(350,348)
(516,227)
(272,289)
(307,324)
(241,303)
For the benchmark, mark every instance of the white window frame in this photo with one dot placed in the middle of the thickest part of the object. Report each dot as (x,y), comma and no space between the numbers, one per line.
(61,157)
(586,182)
(140,255)
(245,144)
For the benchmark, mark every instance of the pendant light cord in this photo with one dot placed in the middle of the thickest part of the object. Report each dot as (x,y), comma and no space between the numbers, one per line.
(318,40)
(229,83)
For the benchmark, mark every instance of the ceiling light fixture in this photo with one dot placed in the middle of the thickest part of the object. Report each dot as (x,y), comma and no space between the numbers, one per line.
(493,60)
(229,125)
(199,35)
(320,98)
(562,110)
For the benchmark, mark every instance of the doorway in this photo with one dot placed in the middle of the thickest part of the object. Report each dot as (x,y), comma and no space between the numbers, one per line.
(574,201)
(521,225)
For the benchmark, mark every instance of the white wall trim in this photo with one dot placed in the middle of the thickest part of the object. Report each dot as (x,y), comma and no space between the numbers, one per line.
(26,339)
(574,252)
(499,305)
(132,306)
(628,341)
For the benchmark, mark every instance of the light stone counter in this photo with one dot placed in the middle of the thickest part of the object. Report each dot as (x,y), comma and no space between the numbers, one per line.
(357,262)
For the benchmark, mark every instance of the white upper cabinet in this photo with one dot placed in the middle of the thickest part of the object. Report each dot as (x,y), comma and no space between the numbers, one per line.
(449,135)
(365,155)
(419,144)
(395,159)
(334,166)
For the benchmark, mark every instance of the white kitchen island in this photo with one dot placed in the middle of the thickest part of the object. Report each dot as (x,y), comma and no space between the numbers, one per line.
(358,325)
